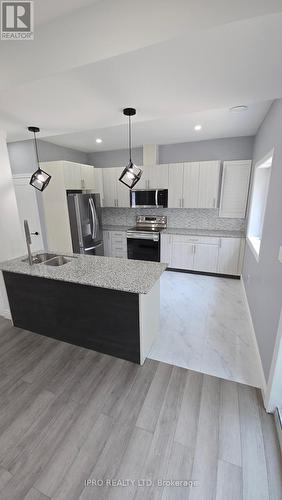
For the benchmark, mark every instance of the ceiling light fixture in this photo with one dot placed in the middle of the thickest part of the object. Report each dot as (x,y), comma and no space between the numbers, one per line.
(98,140)
(198,127)
(238,109)
(131,174)
(39,179)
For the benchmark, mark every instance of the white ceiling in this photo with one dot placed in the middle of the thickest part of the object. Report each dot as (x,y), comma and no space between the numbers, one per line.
(179,63)
(48,10)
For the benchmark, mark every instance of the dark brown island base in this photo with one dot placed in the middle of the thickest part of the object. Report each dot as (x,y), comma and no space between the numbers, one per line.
(105,304)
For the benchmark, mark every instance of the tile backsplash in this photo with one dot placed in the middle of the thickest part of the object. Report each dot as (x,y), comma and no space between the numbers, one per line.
(176,217)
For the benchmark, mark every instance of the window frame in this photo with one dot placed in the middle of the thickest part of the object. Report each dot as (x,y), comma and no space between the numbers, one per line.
(254,242)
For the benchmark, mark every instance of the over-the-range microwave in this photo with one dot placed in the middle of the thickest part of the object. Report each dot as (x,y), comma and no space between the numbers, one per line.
(149,198)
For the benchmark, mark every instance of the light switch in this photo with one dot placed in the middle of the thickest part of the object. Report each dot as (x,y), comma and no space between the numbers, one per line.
(280,255)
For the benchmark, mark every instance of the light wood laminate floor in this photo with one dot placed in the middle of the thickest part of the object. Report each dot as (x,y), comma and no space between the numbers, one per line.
(68,414)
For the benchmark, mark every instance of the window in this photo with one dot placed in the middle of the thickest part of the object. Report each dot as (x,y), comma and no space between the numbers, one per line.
(258,204)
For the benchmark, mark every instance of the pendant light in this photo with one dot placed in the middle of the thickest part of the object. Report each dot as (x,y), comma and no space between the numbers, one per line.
(40,179)
(131,174)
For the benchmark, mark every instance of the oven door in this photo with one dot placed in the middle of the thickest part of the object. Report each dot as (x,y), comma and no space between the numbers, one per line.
(143,246)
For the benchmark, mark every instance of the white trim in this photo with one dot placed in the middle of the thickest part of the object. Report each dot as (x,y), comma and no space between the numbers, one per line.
(263,385)
(6,313)
(252,247)
(22,176)
(273,389)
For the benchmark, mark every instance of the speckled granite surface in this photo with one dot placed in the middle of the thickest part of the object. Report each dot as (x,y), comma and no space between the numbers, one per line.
(115,228)
(135,276)
(216,233)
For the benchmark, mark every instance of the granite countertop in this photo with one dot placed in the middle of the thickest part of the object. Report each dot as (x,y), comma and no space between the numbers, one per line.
(115,228)
(216,233)
(135,276)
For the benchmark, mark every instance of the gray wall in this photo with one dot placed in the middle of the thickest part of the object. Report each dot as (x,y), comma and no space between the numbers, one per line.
(230,148)
(116,158)
(234,148)
(22,155)
(263,279)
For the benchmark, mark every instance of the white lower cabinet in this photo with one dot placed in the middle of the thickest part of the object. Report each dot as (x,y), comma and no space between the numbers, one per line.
(203,254)
(166,240)
(115,244)
(205,258)
(229,256)
(182,253)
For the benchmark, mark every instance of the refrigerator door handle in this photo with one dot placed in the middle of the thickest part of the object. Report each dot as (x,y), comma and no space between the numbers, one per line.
(78,221)
(95,246)
(94,218)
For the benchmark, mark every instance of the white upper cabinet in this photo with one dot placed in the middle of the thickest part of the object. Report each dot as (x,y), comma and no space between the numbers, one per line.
(98,183)
(109,187)
(175,183)
(235,188)
(153,177)
(72,175)
(190,185)
(209,173)
(87,177)
(123,192)
(193,184)
(158,177)
(116,194)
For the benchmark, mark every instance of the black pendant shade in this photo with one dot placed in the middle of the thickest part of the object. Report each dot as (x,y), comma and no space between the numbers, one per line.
(39,179)
(131,174)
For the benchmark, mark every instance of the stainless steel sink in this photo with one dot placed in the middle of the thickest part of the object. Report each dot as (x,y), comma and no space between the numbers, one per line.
(41,258)
(58,260)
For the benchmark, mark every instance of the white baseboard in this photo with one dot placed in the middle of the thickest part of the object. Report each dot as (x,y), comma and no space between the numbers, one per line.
(6,313)
(262,376)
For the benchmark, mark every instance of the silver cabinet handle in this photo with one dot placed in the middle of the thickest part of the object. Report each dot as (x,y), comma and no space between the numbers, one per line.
(180,202)
(117,202)
(214,203)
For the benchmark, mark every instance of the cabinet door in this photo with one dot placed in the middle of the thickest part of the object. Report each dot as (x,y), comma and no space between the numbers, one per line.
(166,248)
(235,188)
(182,254)
(158,177)
(107,243)
(87,177)
(118,244)
(123,192)
(110,187)
(72,175)
(206,257)
(175,185)
(143,183)
(209,173)
(229,256)
(190,185)
(98,183)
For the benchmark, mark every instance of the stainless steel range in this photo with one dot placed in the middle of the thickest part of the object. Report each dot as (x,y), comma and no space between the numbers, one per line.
(143,240)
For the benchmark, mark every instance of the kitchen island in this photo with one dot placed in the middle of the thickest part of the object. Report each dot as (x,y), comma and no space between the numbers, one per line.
(106,304)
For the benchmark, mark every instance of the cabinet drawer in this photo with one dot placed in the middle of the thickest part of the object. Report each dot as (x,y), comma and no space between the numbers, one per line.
(181,238)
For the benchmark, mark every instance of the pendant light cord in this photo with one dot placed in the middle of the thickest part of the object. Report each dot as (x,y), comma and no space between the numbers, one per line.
(129,138)
(36,149)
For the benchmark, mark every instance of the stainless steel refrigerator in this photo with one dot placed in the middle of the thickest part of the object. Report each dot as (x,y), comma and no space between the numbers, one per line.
(85,223)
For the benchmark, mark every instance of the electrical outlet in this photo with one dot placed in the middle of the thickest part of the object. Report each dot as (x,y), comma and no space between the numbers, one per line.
(280,255)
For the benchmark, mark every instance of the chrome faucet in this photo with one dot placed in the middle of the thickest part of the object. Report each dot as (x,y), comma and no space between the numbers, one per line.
(28,242)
